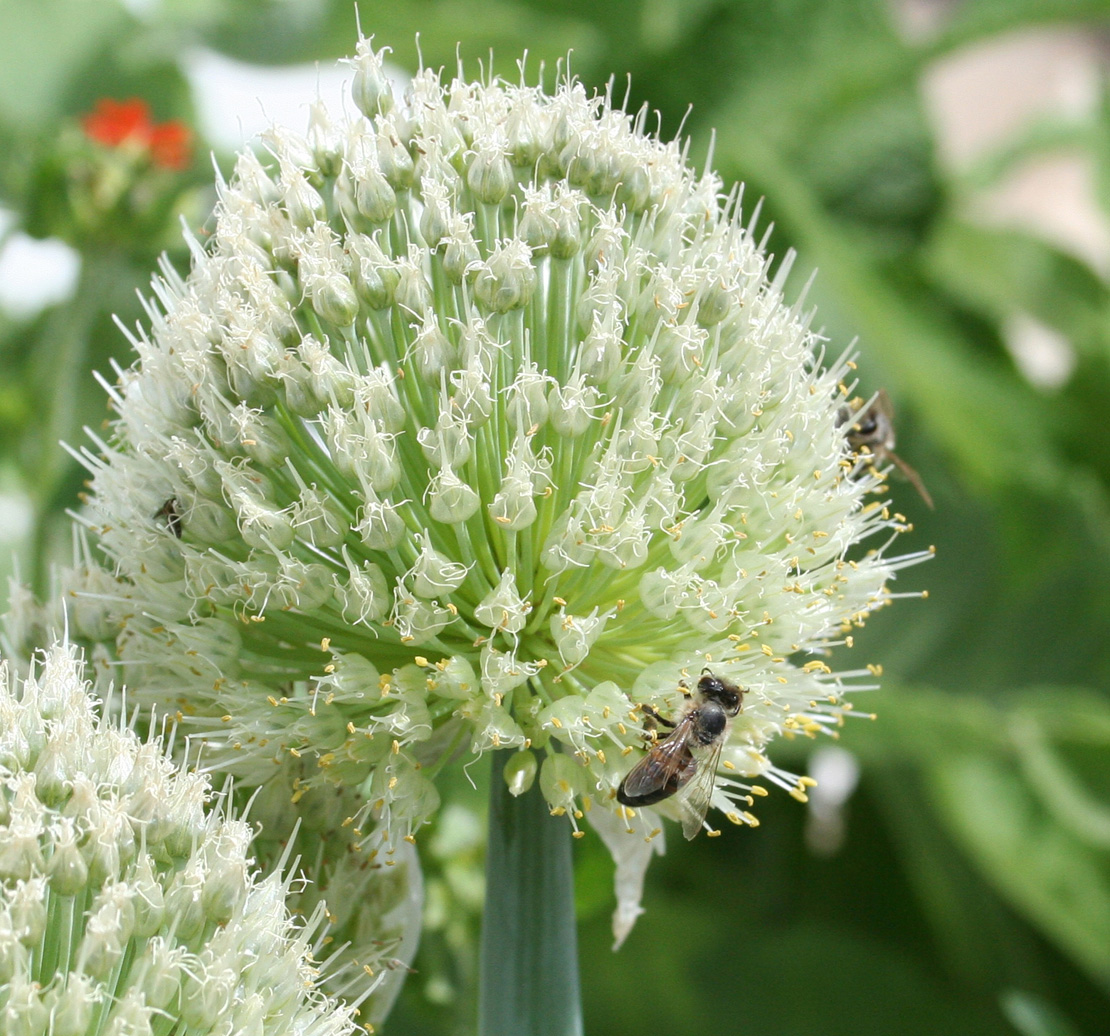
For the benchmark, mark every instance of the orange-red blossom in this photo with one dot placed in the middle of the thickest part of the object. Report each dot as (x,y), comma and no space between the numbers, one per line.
(115,123)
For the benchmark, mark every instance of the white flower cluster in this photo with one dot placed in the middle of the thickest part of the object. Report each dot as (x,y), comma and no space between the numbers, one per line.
(479,423)
(126,907)
(374,911)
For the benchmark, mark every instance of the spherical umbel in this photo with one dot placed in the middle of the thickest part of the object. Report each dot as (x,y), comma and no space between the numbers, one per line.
(482,424)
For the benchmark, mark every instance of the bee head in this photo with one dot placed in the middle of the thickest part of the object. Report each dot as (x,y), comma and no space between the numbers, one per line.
(867,426)
(872,425)
(724,692)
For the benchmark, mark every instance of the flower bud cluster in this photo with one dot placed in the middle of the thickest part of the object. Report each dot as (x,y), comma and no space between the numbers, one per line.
(374,901)
(480,421)
(127,906)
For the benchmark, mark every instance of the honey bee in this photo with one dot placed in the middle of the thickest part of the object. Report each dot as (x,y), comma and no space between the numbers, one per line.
(685,760)
(172,515)
(872,425)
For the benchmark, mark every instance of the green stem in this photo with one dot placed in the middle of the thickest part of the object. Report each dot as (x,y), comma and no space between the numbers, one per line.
(528,975)
(58,375)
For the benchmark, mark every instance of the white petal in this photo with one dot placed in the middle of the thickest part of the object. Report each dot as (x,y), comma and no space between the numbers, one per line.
(632,849)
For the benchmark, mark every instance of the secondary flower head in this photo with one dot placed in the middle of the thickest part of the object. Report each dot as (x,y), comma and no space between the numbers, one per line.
(127,124)
(114,178)
(479,424)
(125,906)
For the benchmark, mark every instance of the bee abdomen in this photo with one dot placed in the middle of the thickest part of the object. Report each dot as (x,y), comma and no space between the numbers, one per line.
(649,798)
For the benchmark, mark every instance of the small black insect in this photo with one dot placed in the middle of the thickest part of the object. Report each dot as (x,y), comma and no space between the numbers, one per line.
(172,515)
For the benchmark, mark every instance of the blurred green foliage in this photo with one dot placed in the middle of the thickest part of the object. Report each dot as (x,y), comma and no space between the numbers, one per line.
(972,893)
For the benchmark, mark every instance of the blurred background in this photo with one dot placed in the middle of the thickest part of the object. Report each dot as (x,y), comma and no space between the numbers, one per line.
(945,167)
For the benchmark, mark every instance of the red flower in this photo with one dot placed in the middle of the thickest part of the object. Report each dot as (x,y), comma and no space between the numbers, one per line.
(169,144)
(114,123)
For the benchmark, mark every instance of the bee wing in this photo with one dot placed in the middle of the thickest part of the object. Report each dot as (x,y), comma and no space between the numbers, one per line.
(694,797)
(661,763)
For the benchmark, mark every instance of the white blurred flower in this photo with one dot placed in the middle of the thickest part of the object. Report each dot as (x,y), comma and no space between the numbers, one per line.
(835,772)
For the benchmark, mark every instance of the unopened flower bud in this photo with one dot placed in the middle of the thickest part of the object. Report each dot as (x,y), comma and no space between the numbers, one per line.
(520,772)
(502,608)
(371,89)
(461,255)
(450,500)
(374,273)
(490,176)
(395,161)
(508,278)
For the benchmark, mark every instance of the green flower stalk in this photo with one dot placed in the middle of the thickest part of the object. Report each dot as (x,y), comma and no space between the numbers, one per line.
(480,424)
(128,902)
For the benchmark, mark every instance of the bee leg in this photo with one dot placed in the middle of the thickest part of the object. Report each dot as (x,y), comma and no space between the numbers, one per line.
(653,714)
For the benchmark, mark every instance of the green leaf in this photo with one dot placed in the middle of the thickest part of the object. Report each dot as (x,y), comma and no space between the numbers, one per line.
(1057,880)
(1008,783)
(1059,787)
(978,936)
(998,273)
(289,32)
(42,43)
(983,18)
(1034,1016)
